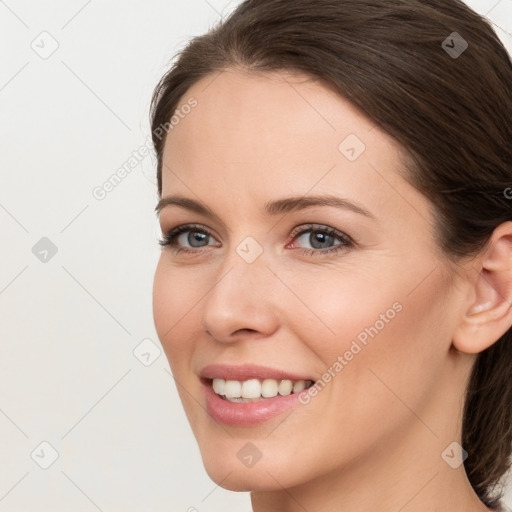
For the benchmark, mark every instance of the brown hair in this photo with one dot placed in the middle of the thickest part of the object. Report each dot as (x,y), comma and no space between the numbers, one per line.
(401,64)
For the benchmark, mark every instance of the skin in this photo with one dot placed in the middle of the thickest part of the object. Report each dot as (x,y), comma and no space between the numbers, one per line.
(372,438)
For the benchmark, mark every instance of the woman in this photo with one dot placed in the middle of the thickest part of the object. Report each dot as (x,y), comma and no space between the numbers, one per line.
(335,286)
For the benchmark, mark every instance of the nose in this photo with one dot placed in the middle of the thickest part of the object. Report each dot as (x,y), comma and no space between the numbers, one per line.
(242,301)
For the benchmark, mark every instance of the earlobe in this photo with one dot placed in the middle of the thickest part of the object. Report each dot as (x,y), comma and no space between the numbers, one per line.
(489,314)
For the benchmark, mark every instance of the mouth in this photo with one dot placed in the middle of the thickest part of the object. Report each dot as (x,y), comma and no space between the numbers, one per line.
(247,395)
(255,390)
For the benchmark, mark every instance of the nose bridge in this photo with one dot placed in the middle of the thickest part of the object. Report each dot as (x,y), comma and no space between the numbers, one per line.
(245,266)
(242,295)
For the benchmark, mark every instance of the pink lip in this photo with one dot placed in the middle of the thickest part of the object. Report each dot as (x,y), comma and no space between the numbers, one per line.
(246,372)
(246,414)
(250,413)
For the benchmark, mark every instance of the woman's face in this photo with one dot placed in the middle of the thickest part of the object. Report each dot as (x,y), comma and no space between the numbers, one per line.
(353,295)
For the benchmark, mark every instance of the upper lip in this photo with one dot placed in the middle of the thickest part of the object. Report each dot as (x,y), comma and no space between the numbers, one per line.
(247,371)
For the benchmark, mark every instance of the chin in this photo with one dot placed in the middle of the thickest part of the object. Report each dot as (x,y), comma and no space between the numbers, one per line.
(267,474)
(235,478)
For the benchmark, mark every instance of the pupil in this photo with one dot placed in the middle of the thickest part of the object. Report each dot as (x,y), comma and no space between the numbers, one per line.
(194,237)
(320,238)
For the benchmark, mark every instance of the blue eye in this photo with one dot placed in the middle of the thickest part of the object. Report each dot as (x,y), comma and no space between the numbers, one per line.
(197,237)
(321,236)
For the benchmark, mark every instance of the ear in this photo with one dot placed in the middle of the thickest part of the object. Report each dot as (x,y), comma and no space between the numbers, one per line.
(489,313)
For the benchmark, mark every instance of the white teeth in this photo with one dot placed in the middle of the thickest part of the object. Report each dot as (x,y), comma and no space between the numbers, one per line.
(232,389)
(299,386)
(253,389)
(285,387)
(269,388)
(219,386)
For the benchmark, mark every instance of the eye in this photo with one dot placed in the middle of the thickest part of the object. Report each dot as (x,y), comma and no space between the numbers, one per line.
(194,235)
(321,239)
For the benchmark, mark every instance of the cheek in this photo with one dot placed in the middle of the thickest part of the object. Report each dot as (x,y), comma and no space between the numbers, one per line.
(371,333)
(174,298)
(378,300)
(349,305)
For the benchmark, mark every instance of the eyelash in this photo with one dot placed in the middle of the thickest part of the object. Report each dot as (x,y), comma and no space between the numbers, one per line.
(169,239)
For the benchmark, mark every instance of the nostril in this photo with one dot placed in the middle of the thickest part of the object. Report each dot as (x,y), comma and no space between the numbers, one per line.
(244,331)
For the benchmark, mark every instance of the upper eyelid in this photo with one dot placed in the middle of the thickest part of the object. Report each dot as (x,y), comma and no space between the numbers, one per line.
(316,227)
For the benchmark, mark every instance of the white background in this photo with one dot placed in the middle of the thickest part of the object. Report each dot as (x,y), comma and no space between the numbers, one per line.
(69,326)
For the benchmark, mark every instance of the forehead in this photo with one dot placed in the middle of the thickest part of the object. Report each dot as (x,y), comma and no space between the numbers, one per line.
(258,135)
(250,113)
(268,104)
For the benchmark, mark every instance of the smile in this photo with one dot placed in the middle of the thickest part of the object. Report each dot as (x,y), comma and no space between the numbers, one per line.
(257,389)
(246,395)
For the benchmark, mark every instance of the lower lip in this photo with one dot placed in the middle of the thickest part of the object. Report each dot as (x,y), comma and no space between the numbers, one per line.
(249,413)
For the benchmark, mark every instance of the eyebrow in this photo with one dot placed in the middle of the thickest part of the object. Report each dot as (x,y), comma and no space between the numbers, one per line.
(272,208)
